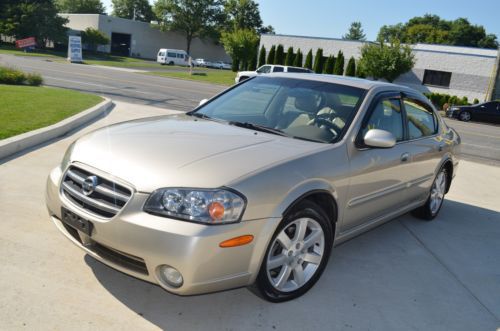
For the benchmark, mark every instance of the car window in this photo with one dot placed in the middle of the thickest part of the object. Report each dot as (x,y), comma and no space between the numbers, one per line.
(278,69)
(420,119)
(264,70)
(161,54)
(291,69)
(171,54)
(386,115)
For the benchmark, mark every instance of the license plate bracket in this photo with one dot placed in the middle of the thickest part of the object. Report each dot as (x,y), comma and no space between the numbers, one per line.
(76,222)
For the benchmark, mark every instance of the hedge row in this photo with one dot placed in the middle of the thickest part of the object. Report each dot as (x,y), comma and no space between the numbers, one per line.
(440,100)
(318,63)
(15,77)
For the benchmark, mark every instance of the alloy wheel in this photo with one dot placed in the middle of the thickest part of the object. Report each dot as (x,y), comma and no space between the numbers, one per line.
(437,192)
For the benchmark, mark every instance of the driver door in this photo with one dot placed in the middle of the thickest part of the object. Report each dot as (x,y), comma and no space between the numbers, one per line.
(379,175)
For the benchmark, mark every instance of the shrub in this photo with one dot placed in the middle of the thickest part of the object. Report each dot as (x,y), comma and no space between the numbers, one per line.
(34,79)
(339,64)
(441,100)
(309,60)
(289,57)
(329,64)
(280,55)
(297,62)
(318,61)
(271,55)
(476,101)
(262,56)
(351,67)
(236,65)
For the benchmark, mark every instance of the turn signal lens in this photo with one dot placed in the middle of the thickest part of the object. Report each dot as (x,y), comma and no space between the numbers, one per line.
(216,210)
(238,241)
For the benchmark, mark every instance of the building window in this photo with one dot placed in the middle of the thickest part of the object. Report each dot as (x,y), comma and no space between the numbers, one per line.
(437,78)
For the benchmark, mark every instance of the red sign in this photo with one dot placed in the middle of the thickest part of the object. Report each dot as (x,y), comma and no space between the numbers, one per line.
(28,42)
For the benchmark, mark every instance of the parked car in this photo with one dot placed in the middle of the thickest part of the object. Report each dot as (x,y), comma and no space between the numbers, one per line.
(269,68)
(201,63)
(256,185)
(487,112)
(221,65)
(172,57)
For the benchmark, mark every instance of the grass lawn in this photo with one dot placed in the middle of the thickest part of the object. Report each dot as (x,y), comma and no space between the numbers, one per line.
(217,76)
(26,108)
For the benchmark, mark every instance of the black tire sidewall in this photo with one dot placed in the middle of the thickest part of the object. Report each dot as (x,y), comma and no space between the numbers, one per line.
(303,209)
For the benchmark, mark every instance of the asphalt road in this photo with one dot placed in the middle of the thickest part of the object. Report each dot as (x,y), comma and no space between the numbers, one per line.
(116,84)
(480,142)
(407,274)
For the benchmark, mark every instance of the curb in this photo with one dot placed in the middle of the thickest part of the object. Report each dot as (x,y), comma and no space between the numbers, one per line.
(36,137)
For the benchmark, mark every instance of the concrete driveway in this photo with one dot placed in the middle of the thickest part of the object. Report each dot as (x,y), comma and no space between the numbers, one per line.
(406,274)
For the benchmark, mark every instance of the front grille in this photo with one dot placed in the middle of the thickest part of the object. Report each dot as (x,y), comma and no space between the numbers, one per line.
(105,200)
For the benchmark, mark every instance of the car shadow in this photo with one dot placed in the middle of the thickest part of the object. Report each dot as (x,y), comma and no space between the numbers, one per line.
(404,274)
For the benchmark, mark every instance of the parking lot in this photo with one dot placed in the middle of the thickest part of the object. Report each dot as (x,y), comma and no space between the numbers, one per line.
(406,274)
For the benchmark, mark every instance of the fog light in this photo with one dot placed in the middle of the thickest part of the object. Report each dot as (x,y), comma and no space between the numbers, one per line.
(171,276)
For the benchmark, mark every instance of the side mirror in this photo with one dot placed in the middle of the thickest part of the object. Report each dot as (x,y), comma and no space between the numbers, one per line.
(379,139)
(202,102)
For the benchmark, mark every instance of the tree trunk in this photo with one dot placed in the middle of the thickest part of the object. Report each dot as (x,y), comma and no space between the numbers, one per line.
(189,38)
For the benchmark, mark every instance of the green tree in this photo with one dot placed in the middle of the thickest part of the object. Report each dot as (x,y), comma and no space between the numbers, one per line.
(32,18)
(138,10)
(93,38)
(297,61)
(355,32)
(386,61)
(309,60)
(330,63)
(339,64)
(271,55)
(242,14)
(318,61)
(194,18)
(289,57)
(241,45)
(81,6)
(280,55)
(351,67)
(432,29)
(262,57)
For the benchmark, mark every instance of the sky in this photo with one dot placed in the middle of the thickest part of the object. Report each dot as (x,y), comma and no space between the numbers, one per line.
(331,18)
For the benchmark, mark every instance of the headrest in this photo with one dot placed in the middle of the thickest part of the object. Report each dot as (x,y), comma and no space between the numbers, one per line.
(306,102)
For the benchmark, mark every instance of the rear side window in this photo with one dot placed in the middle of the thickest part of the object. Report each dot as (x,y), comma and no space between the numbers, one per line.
(420,119)
(171,54)
(278,69)
(290,69)
(386,115)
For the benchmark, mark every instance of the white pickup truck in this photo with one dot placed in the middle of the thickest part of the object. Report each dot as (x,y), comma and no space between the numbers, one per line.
(268,68)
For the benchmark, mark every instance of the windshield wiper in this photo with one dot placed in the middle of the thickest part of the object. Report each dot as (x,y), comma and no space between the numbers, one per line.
(199,115)
(258,127)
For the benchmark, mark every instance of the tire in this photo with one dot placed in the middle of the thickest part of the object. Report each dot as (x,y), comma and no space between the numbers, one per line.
(295,269)
(434,202)
(464,116)
(171,63)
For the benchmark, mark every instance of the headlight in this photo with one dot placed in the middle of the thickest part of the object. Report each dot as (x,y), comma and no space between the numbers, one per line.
(218,206)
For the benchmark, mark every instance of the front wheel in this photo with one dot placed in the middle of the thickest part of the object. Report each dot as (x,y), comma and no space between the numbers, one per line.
(297,254)
(433,204)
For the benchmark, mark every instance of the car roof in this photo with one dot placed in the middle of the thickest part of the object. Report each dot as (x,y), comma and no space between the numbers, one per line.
(344,80)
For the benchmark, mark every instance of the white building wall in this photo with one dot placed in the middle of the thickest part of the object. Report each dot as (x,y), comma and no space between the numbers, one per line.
(473,69)
(146,40)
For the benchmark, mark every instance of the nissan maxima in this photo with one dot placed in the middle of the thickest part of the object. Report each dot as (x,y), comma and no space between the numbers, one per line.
(256,185)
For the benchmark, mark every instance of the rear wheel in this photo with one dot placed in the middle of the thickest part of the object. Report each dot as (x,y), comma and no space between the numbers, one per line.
(464,116)
(171,63)
(433,204)
(297,254)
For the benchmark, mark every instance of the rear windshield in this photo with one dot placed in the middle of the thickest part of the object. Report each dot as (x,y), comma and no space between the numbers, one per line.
(297,108)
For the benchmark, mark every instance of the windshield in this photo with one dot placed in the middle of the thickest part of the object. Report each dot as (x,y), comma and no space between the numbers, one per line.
(297,108)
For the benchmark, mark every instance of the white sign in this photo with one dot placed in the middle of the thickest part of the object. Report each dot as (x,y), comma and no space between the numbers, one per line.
(75,49)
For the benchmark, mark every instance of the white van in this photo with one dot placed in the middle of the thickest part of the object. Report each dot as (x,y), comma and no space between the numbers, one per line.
(172,57)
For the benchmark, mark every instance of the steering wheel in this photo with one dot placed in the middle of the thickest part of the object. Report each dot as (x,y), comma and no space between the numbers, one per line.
(324,119)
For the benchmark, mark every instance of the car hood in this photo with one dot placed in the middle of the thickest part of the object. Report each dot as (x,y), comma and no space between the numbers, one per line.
(184,151)
(247,73)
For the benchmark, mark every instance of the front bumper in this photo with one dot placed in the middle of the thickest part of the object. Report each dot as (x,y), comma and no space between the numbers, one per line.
(138,243)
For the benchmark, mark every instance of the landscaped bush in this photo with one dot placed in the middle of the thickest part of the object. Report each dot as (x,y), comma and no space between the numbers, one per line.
(339,64)
(15,77)
(297,62)
(262,56)
(271,55)
(442,99)
(289,57)
(351,67)
(329,64)
(318,61)
(476,101)
(280,55)
(309,60)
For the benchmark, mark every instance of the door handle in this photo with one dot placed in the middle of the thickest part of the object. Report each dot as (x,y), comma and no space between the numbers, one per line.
(405,157)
